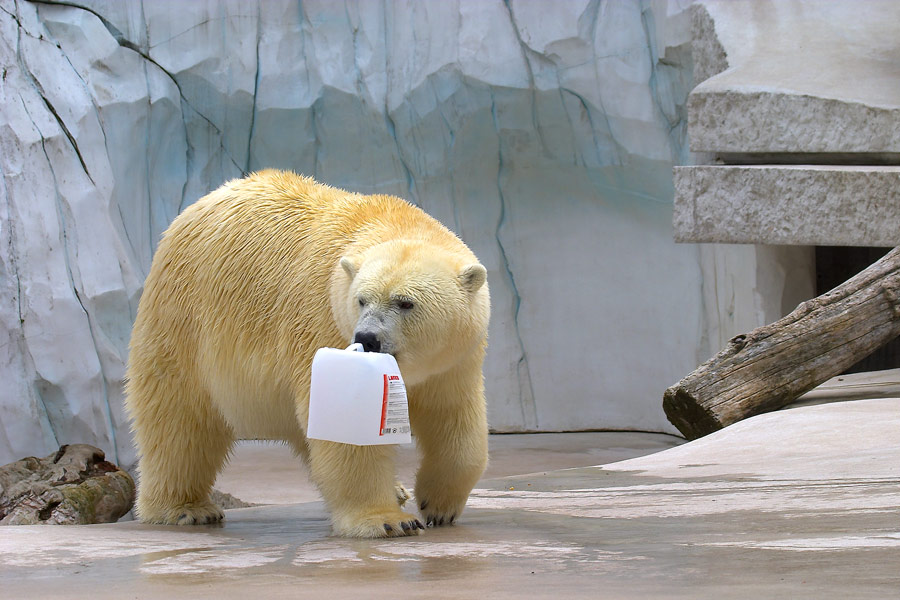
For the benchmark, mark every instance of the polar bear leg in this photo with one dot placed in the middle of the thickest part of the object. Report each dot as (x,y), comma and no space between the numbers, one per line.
(449,419)
(360,489)
(183,442)
(301,449)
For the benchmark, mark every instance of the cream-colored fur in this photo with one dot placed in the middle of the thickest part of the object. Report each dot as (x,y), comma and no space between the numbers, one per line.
(246,284)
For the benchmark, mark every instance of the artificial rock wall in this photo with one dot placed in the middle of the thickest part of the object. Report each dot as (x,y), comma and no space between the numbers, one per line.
(542,133)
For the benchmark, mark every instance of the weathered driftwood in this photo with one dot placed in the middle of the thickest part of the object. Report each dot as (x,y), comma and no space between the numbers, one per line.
(773,365)
(75,485)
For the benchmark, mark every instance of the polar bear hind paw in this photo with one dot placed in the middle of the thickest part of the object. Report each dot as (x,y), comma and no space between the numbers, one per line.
(402,493)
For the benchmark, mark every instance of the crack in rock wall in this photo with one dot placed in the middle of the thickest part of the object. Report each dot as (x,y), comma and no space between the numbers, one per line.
(542,133)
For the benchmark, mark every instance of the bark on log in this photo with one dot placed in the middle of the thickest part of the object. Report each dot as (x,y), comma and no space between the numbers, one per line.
(75,485)
(775,364)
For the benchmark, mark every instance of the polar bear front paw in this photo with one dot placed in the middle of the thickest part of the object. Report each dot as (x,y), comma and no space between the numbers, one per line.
(193,513)
(389,523)
(438,514)
(205,513)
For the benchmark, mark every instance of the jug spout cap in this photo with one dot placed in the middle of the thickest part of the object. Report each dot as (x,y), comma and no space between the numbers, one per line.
(355,348)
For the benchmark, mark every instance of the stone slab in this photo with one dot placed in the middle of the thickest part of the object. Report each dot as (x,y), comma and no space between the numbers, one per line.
(795,76)
(800,503)
(788,204)
(730,118)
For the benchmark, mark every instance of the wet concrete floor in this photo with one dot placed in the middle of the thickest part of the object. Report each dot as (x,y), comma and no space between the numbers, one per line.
(803,503)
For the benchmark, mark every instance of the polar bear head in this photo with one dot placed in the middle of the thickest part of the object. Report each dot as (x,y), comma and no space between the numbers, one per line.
(425,304)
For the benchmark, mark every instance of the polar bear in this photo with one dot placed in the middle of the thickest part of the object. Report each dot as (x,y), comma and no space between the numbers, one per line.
(245,285)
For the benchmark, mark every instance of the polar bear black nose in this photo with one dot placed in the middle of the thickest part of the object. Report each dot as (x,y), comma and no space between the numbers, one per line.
(369,341)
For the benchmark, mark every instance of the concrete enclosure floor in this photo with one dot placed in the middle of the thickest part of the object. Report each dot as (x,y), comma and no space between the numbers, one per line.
(268,473)
(802,503)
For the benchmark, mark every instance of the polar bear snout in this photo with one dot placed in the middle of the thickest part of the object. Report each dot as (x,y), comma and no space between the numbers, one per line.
(376,331)
(369,340)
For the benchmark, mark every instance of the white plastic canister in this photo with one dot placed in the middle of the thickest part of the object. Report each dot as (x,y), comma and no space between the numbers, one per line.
(357,397)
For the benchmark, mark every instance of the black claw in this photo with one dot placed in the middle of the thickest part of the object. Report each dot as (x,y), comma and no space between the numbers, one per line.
(453,518)
(405,526)
(419,524)
(183,516)
(440,521)
(388,528)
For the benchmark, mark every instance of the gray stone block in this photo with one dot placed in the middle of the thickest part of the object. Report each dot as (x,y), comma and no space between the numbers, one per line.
(709,56)
(725,120)
(788,204)
(795,76)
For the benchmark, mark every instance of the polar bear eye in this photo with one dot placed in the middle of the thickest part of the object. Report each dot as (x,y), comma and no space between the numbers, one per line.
(362,303)
(405,304)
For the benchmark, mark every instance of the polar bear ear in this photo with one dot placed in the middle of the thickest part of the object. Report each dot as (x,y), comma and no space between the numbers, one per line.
(350,266)
(472,277)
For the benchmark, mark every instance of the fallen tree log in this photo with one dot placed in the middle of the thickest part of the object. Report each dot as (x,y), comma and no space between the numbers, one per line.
(773,365)
(74,485)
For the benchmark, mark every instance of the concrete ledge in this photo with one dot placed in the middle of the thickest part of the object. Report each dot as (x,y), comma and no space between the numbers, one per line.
(753,120)
(788,204)
(855,386)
